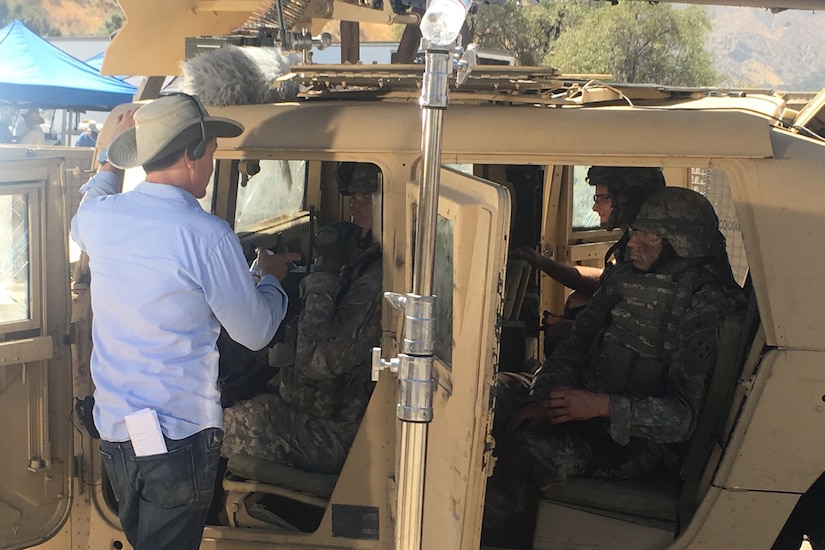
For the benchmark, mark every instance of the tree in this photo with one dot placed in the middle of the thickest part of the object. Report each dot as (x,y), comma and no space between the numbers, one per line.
(113,23)
(526,32)
(33,16)
(638,42)
(634,41)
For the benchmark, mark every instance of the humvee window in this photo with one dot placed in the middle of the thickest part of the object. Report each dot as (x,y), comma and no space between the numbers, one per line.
(14,258)
(276,191)
(713,184)
(584,218)
(443,289)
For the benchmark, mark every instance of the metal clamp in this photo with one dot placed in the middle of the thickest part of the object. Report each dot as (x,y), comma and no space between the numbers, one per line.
(419,325)
(466,64)
(415,391)
(379,364)
(414,366)
(436,79)
(419,321)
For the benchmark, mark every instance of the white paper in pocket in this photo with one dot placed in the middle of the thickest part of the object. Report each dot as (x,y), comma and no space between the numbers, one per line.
(145,433)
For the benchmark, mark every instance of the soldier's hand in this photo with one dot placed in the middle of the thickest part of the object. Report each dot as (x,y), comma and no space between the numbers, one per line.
(527,253)
(334,244)
(567,404)
(528,414)
(275,264)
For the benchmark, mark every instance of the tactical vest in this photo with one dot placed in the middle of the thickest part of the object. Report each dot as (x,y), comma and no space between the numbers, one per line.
(632,354)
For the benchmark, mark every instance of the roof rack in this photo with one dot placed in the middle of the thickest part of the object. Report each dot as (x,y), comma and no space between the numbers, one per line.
(490,83)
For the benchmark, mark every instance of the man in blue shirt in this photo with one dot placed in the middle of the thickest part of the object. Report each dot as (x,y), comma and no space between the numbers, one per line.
(89,136)
(165,276)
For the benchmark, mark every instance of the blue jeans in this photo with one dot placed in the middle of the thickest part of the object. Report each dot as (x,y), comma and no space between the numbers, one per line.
(163,499)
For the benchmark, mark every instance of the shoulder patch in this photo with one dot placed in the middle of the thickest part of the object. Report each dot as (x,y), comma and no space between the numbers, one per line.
(702,347)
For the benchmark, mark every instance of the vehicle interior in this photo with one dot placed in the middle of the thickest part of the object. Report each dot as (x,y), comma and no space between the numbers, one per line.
(278,185)
(488,319)
(276,188)
(648,511)
(280,203)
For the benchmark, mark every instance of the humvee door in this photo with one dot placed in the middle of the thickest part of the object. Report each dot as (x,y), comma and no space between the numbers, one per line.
(35,373)
(472,231)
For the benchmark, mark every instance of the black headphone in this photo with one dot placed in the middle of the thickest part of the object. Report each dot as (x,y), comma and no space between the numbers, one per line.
(196,152)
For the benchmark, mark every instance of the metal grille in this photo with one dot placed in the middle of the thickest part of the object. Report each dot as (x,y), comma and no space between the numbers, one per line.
(713,184)
(267,16)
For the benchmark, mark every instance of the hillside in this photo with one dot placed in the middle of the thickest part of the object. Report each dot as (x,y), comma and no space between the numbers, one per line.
(87,18)
(757,48)
(751,47)
(74,17)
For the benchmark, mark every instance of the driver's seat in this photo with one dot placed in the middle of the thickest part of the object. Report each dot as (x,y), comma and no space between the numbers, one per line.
(250,479)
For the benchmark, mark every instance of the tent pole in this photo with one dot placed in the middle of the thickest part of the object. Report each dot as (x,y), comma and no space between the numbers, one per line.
(66,136)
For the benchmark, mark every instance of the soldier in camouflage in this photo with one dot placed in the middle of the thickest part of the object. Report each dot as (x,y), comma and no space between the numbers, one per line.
(627,188)
(620,397)
(619,193)
(310,421)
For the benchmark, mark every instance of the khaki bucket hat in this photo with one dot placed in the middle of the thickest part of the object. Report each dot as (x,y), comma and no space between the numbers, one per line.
(34,116)
(166,125)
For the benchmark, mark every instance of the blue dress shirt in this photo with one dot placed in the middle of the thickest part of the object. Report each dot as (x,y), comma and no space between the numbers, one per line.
(85,140)
(165,276)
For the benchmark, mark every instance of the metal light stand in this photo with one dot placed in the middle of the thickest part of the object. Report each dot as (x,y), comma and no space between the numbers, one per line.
(414,365)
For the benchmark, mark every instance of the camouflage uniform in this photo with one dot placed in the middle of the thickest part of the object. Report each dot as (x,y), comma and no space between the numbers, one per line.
(311,421)
(632,183)
(649,340)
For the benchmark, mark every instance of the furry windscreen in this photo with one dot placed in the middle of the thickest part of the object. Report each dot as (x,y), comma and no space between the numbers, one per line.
(235,75)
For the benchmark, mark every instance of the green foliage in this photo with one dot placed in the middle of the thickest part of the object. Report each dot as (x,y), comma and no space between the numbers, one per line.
(638,42)
(113,23)
(634,41)
(526,32)
(31,15)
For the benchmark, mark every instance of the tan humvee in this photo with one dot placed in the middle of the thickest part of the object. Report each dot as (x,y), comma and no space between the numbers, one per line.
(513,175)
(517,143)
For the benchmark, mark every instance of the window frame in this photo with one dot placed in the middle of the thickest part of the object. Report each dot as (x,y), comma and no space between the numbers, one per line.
(34,191)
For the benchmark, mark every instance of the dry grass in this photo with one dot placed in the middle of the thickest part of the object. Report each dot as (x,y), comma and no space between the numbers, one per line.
(78,17)
(86,17)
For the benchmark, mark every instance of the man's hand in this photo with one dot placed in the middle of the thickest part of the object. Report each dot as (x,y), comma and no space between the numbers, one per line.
(125,120)
(275,264)
(563,405)
(566,404)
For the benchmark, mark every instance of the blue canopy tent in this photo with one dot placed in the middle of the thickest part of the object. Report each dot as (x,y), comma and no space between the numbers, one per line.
(33,72)
(96,61)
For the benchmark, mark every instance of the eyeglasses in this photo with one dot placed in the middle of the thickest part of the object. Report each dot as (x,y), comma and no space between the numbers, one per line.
(599,197)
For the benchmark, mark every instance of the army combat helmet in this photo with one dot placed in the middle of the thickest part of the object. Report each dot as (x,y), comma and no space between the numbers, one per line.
(683,217)
(358,177)
(631,182)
